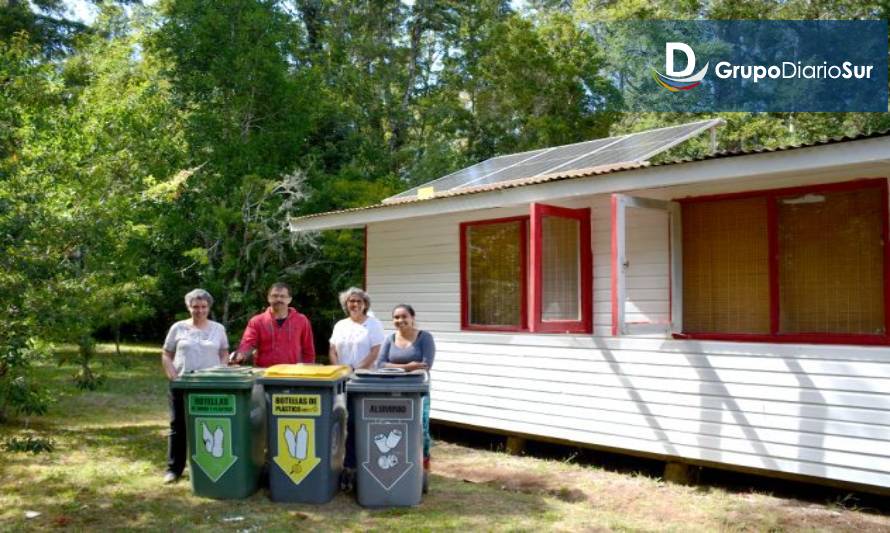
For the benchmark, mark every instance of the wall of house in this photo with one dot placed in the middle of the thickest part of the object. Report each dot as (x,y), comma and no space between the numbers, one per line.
(803,409)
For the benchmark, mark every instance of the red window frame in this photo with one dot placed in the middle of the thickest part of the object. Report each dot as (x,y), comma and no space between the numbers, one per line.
(774,256)
(523,275)
(531,273)
(585,324)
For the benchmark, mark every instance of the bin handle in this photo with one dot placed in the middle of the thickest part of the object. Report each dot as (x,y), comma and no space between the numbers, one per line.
(338,436)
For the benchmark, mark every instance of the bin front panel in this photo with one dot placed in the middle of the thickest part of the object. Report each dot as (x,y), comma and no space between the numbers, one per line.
(389,448)
(222,442)
(305,436)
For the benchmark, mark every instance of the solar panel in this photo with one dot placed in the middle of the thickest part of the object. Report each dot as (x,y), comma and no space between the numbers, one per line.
(631,148)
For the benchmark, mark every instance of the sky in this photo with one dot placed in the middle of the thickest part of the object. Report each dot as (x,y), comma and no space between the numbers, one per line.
(81,10)
(86,12)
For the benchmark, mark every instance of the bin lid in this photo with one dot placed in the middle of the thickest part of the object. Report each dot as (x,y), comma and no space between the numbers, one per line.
(303,372)
(222,377)
(389,380)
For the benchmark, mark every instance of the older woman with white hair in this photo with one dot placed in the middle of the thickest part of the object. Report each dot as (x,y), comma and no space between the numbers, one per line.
(192,344)
(356,342)
(356,339)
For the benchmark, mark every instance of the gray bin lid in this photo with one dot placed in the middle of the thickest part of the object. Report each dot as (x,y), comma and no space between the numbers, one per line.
(389,380)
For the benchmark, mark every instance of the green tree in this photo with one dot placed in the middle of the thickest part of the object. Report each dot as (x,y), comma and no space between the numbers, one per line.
(238,72)
(28,98)
(81,166)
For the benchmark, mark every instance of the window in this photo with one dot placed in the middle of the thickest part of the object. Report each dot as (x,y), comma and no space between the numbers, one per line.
(544,258)
(725,266)
(562,275)
(493,274)
(803,264)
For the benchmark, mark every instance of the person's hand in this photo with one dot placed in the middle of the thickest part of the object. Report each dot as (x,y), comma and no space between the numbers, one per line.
(415,365)
(236,358)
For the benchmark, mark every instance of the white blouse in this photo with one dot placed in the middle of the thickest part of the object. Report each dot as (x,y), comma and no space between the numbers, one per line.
(354,341)
(195,348)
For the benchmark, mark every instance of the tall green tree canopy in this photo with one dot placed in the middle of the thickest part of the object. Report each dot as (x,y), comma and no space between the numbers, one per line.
(162,147)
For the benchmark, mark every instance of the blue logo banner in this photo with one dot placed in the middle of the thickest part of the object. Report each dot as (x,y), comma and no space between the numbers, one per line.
(750,65)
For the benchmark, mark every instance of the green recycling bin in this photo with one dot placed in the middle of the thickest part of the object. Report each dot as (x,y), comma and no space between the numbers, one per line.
(306,406)
(225,425)
(387,405)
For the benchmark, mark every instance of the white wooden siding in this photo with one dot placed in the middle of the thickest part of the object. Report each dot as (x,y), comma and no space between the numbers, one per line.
(816,410)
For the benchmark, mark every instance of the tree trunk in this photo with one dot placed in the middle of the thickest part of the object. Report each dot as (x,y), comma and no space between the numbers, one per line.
(397,139)
(311,13)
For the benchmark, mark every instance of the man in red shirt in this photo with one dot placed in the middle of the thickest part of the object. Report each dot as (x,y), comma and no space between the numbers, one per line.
(279,335)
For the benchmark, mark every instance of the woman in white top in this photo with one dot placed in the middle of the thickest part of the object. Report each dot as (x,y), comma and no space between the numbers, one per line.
(192,344)
(356,342)
(356,339)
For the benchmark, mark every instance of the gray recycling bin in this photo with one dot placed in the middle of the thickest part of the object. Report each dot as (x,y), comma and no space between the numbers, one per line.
(387,407)
(306,406)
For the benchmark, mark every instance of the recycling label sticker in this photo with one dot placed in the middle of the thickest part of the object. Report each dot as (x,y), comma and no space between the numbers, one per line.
(213,446)
(296,448)
(296,404)
(387,453)
(387,408)
(388,438)
(211,404)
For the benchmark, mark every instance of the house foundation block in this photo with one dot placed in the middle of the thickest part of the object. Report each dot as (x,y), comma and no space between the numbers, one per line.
(681,473)
(515,445)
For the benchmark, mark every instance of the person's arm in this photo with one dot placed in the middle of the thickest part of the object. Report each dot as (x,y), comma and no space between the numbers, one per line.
(375,337)
(307,343)
(368,361)
(167,363)
(248,343)
(168,352)
(428,347)
(333,355)
(383,356)
(223,347)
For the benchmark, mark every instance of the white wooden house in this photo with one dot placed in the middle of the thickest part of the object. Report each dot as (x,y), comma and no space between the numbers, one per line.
(728,311)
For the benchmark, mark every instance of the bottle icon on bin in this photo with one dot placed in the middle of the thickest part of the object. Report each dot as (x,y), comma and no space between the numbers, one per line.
(297,443)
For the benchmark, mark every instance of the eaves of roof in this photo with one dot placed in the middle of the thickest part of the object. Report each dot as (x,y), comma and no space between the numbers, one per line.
(596,171)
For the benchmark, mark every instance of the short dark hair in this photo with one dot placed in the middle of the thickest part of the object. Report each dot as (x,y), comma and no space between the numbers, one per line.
(280,285)
(406,307)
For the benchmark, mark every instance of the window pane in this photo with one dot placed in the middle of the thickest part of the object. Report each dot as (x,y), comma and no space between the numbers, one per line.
(831,263)
(725,266)
(560,269)
(494,273)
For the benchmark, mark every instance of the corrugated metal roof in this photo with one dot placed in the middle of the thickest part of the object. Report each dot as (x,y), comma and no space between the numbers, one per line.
(598,171)
(738,152)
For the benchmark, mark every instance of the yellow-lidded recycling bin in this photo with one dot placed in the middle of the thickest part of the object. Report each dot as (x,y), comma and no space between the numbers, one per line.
(306,406)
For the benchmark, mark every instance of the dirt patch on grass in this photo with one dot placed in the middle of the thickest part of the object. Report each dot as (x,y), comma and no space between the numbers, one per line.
(526,482)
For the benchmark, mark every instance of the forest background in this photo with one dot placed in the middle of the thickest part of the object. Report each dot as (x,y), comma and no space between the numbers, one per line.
(162,147)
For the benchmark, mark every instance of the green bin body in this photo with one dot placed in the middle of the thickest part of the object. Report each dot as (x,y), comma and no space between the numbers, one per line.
(306,409)
(225,426)
(387,406)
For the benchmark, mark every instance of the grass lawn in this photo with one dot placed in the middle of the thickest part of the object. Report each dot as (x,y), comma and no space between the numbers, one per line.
(110,448)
